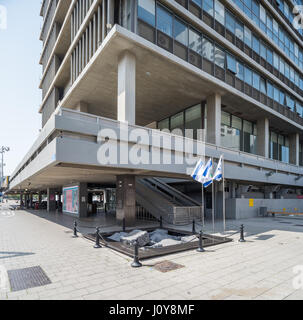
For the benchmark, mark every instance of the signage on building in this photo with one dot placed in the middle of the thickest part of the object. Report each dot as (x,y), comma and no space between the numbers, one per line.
(71,200)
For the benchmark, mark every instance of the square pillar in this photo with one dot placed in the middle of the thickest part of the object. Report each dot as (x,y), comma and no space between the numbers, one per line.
(126,199)
(127,88)
(263,137)
(213,103)
(51,199)
(83,213)
(294,148)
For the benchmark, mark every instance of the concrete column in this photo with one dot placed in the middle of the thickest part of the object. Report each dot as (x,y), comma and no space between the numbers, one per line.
(21,198)
(127,88)
(103,20)
(294,148)
(126,199)
(263,137)
(40,198)
(214,119)
(51,199)
(83,200)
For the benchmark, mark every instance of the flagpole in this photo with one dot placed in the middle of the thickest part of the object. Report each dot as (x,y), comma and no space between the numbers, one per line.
(223,182)
(213,202)
(202,206)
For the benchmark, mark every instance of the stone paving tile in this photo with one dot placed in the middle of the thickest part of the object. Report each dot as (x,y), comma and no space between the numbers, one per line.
(257,269)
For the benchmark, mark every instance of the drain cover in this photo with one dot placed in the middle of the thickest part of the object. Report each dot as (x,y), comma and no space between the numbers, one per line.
(166,266)
(22,279)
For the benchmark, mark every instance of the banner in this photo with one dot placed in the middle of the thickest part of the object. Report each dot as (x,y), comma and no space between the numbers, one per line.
(71,200)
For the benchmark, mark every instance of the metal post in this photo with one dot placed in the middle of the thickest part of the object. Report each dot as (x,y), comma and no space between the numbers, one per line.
(97,245)
(242,234)
(223,204)
(123,225)
(136,263)
(194,226)
(75,230)
(200,249)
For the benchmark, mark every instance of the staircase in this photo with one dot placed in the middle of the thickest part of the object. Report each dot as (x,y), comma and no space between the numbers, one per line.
(162,200)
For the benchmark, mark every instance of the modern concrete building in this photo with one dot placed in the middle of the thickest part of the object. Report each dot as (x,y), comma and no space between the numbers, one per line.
(231,69)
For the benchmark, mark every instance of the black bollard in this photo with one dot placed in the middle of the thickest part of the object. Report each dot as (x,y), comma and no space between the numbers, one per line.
(200,249)
(123,225)
(194,226)
(136,263)
(161,222)
(242,234)
(97,245)
(75,230)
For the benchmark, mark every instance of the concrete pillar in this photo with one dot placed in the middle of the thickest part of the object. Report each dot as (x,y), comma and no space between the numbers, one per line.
(127,88)
(39,198)
(51,199)
(30,200)
(126,199)
(294,148)
(21,198)
(214,119)
(263,137)
(83,200)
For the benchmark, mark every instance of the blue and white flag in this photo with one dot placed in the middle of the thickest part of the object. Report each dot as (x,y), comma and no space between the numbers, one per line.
(198,171)
(219,173)
(207,176)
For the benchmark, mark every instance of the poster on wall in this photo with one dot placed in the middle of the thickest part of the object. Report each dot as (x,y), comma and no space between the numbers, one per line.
(71,200)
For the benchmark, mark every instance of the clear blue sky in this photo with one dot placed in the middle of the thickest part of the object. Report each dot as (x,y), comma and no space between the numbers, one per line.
(20,73)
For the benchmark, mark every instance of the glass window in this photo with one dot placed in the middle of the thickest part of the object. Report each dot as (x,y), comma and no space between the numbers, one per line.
(236,122)
(207,49)
(198,2)
(263,85)
(231,63)
(219,57)
(163,124)
(164,21)
(230,22)
(219,12)
(147,10)
(225,118)
(240,70)
(195,41)
(208,6)
(247,76)
(247,36)
(282,98)
(270,92)
(263,50)
(262,14)
(282,66)
(177,121)
(256,44)
(180,32)
(269,56)
(193,119)
(276,94)
(239,30)
(276,61)
(256,81)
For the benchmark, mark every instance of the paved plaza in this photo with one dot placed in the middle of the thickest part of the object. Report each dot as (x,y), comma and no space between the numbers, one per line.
(260,268)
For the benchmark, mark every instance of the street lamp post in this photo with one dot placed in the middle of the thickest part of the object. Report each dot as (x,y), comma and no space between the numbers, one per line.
(2,151)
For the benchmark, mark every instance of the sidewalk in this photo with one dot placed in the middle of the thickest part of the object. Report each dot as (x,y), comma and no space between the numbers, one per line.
(261,268)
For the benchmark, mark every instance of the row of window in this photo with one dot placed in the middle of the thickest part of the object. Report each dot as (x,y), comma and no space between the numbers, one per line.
(259,83)
(176,36)
(262,18)
(288,12)
(250,43)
